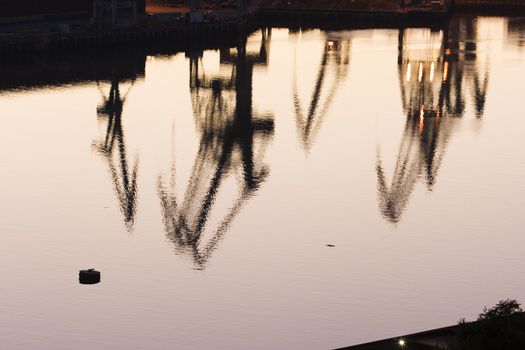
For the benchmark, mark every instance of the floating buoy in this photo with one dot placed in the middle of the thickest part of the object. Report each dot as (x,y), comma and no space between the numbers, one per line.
(90,276)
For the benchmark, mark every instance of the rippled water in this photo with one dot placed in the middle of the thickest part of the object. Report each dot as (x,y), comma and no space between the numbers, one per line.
(301,189)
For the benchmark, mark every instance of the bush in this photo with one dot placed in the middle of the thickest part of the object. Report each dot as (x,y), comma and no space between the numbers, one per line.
(503,308)
(501,327)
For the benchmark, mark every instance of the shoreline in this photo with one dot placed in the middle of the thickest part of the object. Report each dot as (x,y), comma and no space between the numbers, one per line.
(434,339)
(174,29)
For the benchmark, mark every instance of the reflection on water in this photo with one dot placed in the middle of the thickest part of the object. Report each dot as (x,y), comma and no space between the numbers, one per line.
(439,75)
(434,71)
(335,57)
(516,31)
(233,140)
(409,131)
(124,176)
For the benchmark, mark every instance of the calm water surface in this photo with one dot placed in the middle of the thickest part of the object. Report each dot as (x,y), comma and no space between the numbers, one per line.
(208,188)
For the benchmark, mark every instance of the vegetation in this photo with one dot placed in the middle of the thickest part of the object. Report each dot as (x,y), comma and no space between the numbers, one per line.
(501,327)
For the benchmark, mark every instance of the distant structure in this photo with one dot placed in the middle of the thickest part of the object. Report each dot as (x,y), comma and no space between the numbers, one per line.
(28,10)
(430,4)
(16,11)
(114,12)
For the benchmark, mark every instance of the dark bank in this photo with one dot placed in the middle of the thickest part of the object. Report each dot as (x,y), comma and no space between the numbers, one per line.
(27,26)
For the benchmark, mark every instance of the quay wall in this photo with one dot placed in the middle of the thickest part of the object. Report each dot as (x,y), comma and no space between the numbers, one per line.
(27,8)
(497,5)
(350,19)
(169,35)
(183,33)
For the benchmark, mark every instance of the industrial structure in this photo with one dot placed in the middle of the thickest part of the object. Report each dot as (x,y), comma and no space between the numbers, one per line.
(115,11)
(28,10)
(17,10)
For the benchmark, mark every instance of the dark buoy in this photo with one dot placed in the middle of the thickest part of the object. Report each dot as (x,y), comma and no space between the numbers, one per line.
(90,276)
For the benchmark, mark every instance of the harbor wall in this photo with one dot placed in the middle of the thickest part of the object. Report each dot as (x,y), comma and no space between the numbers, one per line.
(497,5)
(156,35)
(27,8)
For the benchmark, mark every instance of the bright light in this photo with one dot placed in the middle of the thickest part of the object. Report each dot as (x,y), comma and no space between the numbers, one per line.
(421,124)
(445,72)
(401,342)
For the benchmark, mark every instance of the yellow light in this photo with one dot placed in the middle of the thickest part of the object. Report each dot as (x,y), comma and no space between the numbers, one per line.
(408,72)
(445,71)
(432,72)
(420,73)
(401,342)
(421,123)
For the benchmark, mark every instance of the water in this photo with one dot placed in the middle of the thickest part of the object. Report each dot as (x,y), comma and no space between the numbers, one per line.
(304,189)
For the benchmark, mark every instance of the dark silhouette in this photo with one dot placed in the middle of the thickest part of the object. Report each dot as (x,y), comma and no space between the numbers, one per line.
(516,31)
(232,142)
(336,55)
(90,276)
(432,83)
(112,147)
(501,327)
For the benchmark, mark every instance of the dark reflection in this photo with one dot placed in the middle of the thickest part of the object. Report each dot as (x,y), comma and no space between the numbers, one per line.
(434,82)
(335,57)
(233,140)
(516,31)
(441,77)
(67,69)
(112,145)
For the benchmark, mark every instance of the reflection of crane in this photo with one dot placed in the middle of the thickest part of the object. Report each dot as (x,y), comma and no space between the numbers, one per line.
(432,93)
(232,142)
(124,179)
(336,54)
(461,53)
(516,31)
